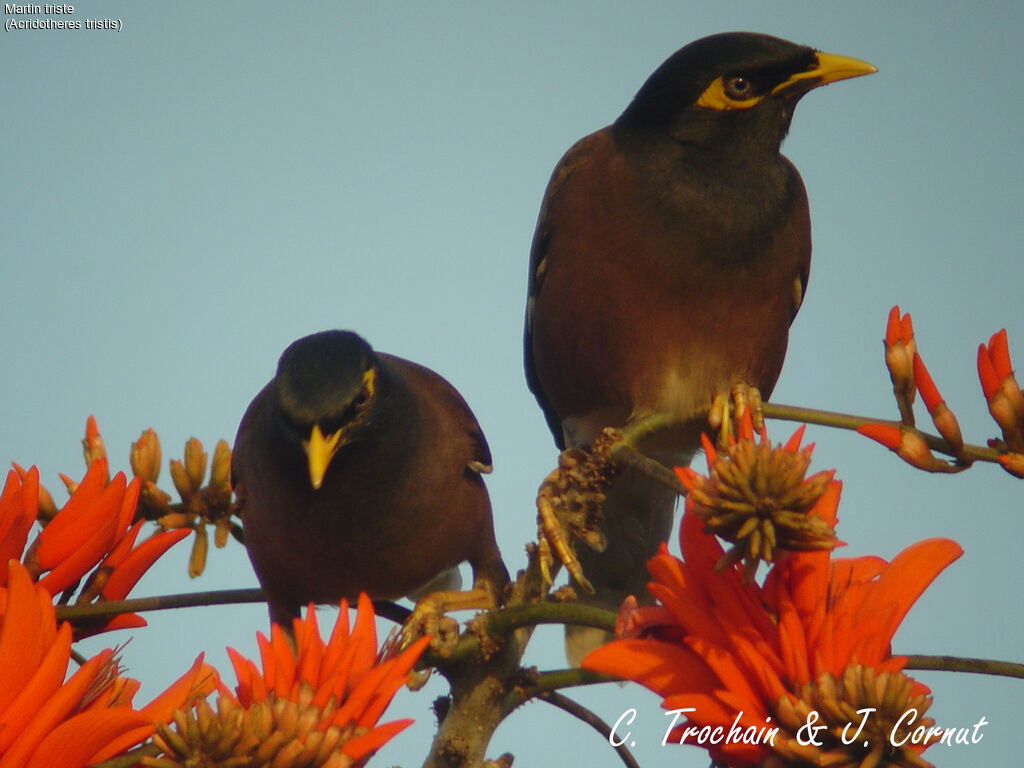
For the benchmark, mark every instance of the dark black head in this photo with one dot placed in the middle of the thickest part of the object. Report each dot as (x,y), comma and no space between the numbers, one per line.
(737,78)
(324,384)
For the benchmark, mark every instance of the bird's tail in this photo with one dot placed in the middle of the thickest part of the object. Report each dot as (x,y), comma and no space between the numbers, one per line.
(638,516)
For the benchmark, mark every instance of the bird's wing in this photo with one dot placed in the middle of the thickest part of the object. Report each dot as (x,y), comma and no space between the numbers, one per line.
(579,153)
(458,419)
(804,265)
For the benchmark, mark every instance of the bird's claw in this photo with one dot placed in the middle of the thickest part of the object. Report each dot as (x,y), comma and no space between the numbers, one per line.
(727,409)
(569,501)
(428,618)
(553,538)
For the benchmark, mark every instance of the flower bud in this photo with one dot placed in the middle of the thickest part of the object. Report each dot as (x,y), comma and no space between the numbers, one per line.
(943,418)
(900,348)
(197,560)
(1013,463)
(1005,402)
(180,479)
(909,446)
(145,456)
(195,463)
(92,445)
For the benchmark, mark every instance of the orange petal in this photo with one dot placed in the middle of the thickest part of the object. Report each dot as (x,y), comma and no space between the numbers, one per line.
(999,353)
(710,453)
(662,667)
(912,570)
(247,675)
(284,662)
(79,561)
(370,742)
(925,385)
(19,507)
(124,546)
(310,648)
(199,680)
(907,328)
(827,506)
(128,504)
(85,513)
(745,427)
(893,331)
(987,373)
(1013,463)
(54,711)
(793,444)
(364,637)
(23,640)
(45,681)
(75,742)
(120,621)
(336,644)
(397,676)
(360,695)
(128,573)
(886,434)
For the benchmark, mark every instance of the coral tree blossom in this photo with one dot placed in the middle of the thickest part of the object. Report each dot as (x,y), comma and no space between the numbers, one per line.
(48,721)
(809,646)
(92,538)
(311,708)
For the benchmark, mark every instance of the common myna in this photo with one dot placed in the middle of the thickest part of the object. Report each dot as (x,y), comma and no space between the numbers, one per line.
(671,255)
(360,471)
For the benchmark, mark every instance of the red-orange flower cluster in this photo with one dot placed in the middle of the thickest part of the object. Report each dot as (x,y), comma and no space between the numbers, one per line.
(46,720)
(91,536)
(317,707)
(812,645)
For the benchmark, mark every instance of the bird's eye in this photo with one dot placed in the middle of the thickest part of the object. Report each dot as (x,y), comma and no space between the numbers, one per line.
(739,88)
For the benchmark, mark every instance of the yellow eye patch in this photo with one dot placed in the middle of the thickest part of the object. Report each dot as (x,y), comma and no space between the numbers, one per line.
(715,97)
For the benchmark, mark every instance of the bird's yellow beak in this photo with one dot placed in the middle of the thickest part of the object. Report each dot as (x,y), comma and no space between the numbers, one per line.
(830,69)
(319,452)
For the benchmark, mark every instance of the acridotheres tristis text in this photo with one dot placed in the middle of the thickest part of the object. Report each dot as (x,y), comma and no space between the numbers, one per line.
(671,255)
(361,472)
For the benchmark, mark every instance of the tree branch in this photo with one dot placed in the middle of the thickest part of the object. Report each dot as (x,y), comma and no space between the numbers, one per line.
(579,711)
(964,664)
(849,421)
(384,608)
(550,681)
(502,622)
(635,431)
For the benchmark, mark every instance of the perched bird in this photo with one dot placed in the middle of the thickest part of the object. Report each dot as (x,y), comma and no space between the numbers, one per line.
(360,471)
(670,257)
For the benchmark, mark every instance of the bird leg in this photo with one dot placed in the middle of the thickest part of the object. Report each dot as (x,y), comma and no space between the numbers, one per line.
(569,505)
(743,396)
(428,617)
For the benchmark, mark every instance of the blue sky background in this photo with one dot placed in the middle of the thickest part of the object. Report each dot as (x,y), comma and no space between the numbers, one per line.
(181,199)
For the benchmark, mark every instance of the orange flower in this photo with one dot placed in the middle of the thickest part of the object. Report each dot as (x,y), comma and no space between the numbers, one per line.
(46,720)
(752,665)
(758,497)
(91,535)
(318,706)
